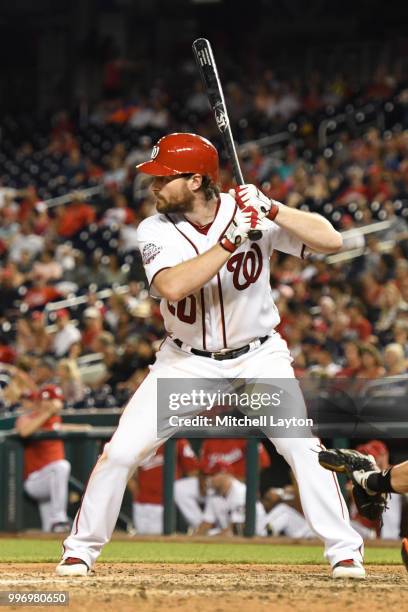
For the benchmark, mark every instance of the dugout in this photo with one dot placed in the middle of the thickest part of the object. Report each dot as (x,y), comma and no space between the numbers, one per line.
(18,512)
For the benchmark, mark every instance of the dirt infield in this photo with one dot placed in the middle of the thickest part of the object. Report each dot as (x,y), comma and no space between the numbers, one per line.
(213,588)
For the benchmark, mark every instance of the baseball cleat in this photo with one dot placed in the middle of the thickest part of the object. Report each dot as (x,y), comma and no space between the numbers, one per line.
(349,568)
(404,552)
(72,566)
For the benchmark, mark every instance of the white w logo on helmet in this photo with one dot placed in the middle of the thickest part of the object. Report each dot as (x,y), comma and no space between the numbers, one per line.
(155,151)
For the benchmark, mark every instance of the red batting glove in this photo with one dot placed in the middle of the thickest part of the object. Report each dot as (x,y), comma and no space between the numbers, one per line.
(249,197)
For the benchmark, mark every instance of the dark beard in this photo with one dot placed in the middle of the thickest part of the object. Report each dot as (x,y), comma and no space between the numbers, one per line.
(180,205)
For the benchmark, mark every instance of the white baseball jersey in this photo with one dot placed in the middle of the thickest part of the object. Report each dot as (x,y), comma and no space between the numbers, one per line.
(236,305)
(229,509)
(224,511)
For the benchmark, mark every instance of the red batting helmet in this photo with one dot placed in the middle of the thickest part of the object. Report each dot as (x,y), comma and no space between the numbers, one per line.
(182,154)
(51,392)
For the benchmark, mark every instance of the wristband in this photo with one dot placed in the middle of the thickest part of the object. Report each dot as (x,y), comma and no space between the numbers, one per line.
(227,245)
(273,211)
(380,482)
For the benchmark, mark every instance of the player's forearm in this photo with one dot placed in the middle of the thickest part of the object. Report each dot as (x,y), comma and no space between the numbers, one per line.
(186,278)
(312,229)
(399,477)
(26,428)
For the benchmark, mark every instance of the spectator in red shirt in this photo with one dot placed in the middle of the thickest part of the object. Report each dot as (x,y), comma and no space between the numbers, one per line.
(40,294)
(356,191)
(120,213)
(352,363)
(147,486)
(378,188)
(371,362)
(27,205)
(276,188)
(93,328)
(46,472)
(358,321)
(73,218)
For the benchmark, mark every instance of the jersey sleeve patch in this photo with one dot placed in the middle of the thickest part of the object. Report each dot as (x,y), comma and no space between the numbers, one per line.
(150,252)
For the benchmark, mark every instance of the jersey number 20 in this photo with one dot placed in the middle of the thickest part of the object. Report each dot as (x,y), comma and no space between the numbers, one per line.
(186,309)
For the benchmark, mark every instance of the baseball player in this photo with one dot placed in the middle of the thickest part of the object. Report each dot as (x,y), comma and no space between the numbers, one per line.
(390,524)
(217,305)
(224,511)
(276,515)
(190,494)
(231,452)
(391,480)
(46,471)
(147,486)
(367,477)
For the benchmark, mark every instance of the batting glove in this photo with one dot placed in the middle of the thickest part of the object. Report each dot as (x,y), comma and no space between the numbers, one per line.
(237,231)
(248,197)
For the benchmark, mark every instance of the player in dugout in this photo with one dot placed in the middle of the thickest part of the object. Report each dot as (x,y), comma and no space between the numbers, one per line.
(46,471)
(368,477)
(191,494)
(146,486)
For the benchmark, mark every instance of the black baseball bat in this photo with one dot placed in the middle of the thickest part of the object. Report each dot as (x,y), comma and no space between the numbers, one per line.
(209,74)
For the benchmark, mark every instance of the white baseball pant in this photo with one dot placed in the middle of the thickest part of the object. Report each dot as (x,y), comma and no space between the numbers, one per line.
(147,518)
(49,487)
(188,498)
(285,520)
(136,437)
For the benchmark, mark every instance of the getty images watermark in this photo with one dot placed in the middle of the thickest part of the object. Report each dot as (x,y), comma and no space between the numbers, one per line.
(227,408)
(289,408)
(253,401)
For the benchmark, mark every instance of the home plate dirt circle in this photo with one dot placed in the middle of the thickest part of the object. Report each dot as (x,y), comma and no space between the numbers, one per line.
(213,587)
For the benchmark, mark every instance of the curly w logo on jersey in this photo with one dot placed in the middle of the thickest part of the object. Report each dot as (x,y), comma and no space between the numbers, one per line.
(246,267)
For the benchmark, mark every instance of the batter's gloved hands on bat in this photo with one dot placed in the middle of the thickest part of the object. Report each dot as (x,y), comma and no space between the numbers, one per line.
(249,197)
(237,231)
(357,466)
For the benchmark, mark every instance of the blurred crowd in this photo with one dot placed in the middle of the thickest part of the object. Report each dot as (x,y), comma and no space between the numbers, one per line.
(77,326)
(74,308)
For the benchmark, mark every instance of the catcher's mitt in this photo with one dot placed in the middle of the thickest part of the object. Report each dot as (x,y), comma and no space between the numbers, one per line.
(346,461)
(370,505)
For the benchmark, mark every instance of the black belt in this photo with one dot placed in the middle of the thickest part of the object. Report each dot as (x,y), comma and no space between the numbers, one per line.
(221,355)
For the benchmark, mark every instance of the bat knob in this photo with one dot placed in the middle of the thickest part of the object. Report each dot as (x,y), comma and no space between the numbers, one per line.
(255,234)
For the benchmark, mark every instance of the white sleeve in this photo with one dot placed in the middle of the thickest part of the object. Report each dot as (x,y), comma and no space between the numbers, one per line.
(236,502)
(238,514)
(159,251)
(285,242)
(209,514)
